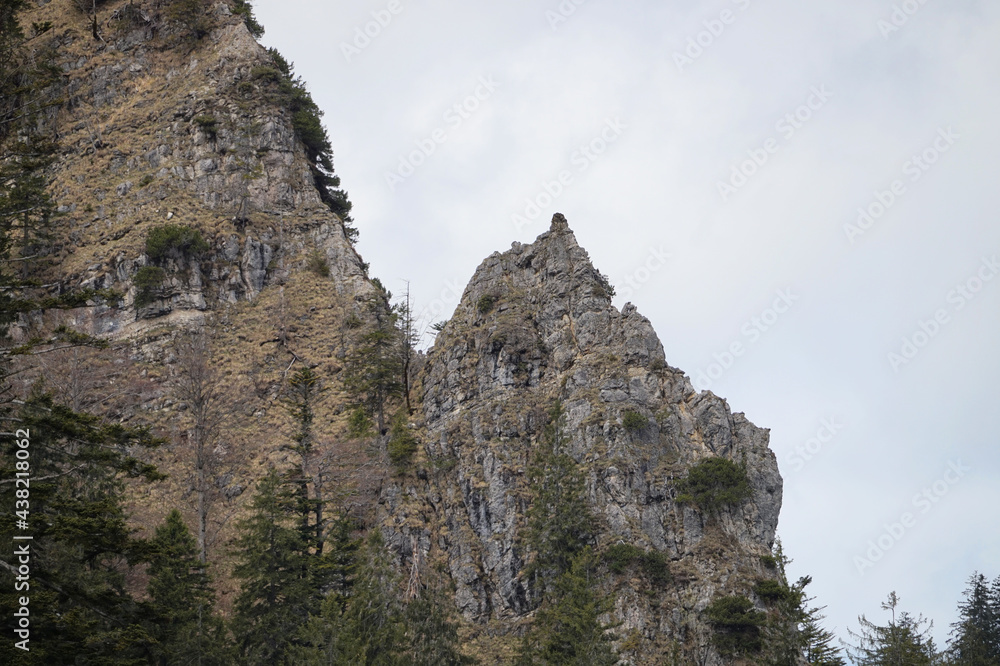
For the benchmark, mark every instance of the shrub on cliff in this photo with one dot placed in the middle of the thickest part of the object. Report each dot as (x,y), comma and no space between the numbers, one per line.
(174,239)
(633,421)
(737,625)
(714,483)
(147,280)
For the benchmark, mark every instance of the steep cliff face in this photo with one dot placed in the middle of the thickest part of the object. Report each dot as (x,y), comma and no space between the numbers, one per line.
(536,325)
(161,124)
(159,127)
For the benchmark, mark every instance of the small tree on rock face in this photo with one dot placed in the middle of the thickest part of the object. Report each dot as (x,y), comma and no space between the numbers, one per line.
(245,9)
(567,628)
(560,523)
(560,527)
(738,625)
(714,483)
(374,370)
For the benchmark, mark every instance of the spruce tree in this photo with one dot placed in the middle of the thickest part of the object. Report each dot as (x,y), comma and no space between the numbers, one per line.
(366,627)
(81,547)
(560,523)
(793,632)
(560,526)
(408,341)
(431,632)
(182,599)
(904,641)
(975,638)
(567,628)
(272,561)
(819,642)
(373,375)
(305,389)
(318,639)
(374,629)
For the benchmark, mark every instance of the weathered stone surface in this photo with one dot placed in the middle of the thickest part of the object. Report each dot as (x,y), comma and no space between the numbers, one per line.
(536,325)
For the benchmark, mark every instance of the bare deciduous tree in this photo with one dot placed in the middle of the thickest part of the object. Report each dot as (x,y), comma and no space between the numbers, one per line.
(197,385)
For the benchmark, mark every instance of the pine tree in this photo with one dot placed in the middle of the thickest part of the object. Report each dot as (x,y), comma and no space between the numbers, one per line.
(81,546)
(367,627)
(905,641)
(277,592)
(975,638)
(819,642)
(560,523)
(182,599)
(567,628)
(373,374)
(305,389)
(431,633)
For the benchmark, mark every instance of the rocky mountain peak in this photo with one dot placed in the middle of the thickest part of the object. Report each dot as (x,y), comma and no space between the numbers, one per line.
(542,308)
(535,326)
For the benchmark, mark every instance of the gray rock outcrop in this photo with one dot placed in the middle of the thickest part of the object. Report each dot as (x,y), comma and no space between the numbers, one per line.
(536,325)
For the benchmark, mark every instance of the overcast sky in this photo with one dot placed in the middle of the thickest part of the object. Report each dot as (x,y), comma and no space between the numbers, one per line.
(812,185)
